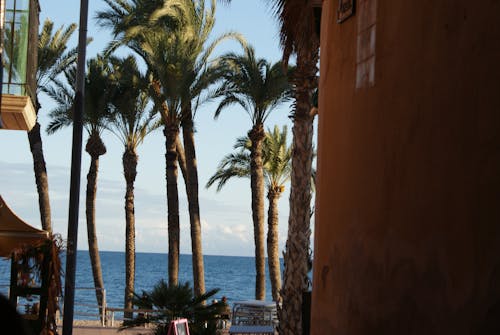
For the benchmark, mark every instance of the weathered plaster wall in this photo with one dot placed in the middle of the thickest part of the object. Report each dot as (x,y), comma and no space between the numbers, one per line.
(407,236)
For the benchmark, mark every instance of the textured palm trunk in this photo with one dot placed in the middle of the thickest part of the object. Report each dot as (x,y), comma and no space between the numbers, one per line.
(41,179)
(95,147)
(273,257)
(257,135)
(171,133)
(299,230)
(194,207)
(181,158)
(130,160)
(172,142)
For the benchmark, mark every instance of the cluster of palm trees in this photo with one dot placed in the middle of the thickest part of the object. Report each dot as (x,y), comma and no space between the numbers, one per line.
(276,159)
(171,38)
(116,99)
(258,87)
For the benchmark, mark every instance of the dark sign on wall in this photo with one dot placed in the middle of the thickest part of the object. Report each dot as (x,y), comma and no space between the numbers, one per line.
(345,10)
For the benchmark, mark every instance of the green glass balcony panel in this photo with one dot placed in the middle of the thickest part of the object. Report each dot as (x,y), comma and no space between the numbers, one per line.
(15,89)
(9,17)
(16,35)
(17,4)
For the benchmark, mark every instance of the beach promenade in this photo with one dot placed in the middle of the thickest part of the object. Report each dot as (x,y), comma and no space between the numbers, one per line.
(95,330)
(92,327)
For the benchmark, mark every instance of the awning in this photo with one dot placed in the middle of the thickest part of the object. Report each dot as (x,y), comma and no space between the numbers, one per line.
(14,232)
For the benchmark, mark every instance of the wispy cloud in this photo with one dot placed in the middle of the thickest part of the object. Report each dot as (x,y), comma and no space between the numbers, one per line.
(240,232)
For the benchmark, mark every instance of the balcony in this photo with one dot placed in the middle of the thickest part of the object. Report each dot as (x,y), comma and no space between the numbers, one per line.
(19,33)
(18,112)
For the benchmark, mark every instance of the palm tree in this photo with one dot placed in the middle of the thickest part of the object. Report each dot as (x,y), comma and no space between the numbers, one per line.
(53,58)
(277,168)
(298,35)
(131,123)
(98,92)
(258,87)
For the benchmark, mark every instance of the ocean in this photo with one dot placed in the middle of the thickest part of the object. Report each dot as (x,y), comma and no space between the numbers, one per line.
(234,276)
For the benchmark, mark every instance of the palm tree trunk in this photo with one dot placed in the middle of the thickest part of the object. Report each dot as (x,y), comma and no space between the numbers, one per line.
(130,160)
(42,183)
(181,158)
(194,207)
(257,135)
(95,147)
(299,231)
(171,133)
(273,258)
(172,142)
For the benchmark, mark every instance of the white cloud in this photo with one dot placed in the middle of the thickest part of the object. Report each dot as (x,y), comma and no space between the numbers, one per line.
(205,226)
(241,232)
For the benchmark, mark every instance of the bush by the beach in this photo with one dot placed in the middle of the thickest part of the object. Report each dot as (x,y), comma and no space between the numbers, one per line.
(169,303)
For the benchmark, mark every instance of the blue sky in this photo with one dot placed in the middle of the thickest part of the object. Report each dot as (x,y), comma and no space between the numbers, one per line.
(226,215)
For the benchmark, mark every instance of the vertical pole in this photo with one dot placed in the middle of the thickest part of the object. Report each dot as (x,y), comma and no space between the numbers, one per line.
(76,162)
(13,281)
(103,315)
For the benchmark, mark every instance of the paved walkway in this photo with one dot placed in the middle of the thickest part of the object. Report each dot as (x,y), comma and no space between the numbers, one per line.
(90,330)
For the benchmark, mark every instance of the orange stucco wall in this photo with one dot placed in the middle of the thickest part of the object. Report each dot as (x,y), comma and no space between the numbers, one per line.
(407,236)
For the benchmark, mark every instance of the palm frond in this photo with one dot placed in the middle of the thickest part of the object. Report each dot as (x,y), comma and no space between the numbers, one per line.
(222,176)
(132,118)
(97,98)
(53,56)
(173,302)
(172,38)
(60,118)
(277,154)
(228,101)
(258,86)
(297,26)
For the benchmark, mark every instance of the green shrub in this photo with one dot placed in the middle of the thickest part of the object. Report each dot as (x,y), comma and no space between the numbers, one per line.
(177,302)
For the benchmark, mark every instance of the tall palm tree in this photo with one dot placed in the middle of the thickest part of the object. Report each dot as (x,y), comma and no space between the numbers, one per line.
(53,58)
(298,36)
(258,87)
(131,123)
(98,92)
(277,168)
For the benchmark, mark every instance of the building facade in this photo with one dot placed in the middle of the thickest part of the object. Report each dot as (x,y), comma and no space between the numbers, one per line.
(407,233)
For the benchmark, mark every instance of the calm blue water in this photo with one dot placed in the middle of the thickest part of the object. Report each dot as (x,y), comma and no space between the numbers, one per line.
(235,276)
